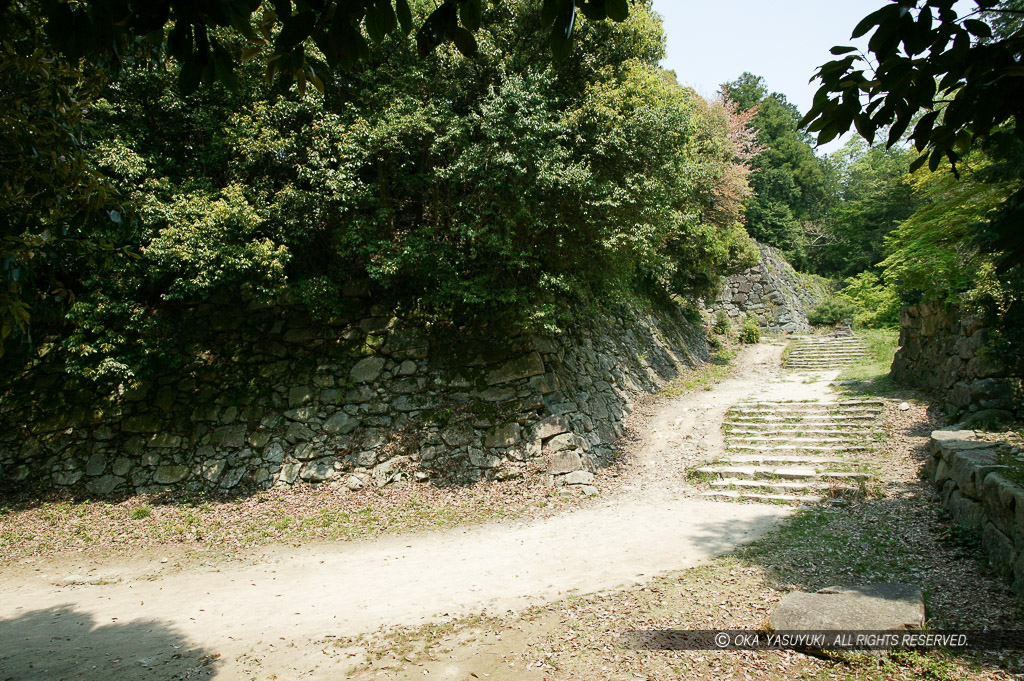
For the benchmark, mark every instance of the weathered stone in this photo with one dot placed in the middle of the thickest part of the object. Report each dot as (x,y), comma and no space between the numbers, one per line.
(874,607)
(998,496)
(578,478)
(522,367)
(289,473)
(96,464)
(228,436)
(503,436)
(274,453)
(121,466)
(563,442)
(299,395)
(407,368)
(104,485)
(482,459)
(164,440)
(169,475)
(549,427)
(564,462)
(495,394)
(367,370)
(318,471)
(406,403)
(258,438)
(1000,550)
(298,432)
(354,483)
(213,469)
(300,414)
(340,423)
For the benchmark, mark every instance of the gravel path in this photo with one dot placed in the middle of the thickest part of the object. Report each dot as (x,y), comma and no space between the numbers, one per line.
(136,622)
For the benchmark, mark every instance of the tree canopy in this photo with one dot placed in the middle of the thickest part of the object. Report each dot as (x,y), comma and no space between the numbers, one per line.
(284,32)
(955,77)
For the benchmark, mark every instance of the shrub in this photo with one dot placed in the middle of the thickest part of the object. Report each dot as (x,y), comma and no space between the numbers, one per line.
(750,332)
(831,311)
(721,325)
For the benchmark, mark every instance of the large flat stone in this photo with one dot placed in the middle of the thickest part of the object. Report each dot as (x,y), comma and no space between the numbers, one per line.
(876,607)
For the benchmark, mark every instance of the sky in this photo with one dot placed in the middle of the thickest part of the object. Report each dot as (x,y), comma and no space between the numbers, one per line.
(710,43)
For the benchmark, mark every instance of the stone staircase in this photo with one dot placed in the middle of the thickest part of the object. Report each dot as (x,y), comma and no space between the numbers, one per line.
(824,353)
(793,452)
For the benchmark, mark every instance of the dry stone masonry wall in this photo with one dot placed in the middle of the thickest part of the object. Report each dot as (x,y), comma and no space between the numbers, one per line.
(771,292)
(273,398)
(973,481)
(943,351)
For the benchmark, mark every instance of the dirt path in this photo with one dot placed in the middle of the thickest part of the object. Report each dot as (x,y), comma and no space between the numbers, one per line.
(213,621)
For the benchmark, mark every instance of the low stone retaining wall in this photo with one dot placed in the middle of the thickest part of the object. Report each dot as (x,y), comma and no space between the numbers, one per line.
(268,397)
(968,476)
(946,352)
(771,292)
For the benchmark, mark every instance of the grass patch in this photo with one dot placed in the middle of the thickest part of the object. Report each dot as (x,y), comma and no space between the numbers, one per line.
(873,370)
(704,376)
(140,512)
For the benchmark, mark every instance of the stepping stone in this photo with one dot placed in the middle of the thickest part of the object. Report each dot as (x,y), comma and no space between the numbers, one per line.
(873,607)
(747,496)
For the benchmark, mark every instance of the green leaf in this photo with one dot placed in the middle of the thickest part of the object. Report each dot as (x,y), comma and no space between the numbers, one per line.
(296,29)
(618,10)
(471,13)
(840,49)
(465,41)
(404,14)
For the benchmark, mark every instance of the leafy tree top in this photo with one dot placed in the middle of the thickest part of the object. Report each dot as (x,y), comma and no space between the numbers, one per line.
(340,29)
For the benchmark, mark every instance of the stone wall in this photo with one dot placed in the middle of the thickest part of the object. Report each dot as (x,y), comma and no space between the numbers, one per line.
(772,292)
(969,477)
(945,352)
(270,397)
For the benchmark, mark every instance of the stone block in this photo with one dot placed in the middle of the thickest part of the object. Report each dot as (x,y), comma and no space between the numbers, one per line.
(212,470)
(170,475)
(968,469)
(998,498)
(367,370)
(503,436)
(228,436)
(96,465)
(522,367)
(299,395)
(564,462)
(1001,553)
(104,485)
(874,607)
(289,473)
(318,471)
(549,427)
(578,478)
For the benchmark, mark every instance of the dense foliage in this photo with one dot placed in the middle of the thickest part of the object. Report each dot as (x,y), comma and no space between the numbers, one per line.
(953,75)
(196,33)
(872,196)
(790,184)
(489,191)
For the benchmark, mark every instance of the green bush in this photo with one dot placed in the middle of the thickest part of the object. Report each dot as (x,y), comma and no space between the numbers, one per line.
(877,304)
(721,325)
(831,311)
(750,332)
(501,190)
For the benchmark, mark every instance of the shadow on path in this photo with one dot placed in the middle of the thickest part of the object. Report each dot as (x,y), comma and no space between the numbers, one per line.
(58,643)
